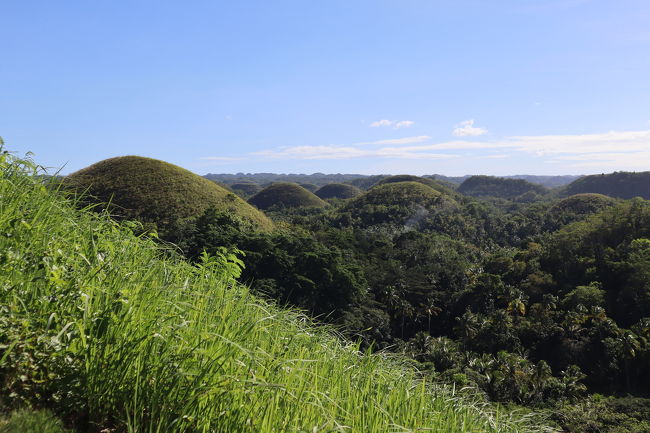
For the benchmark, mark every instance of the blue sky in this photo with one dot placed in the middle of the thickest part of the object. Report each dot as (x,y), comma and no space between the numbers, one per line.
(411,86)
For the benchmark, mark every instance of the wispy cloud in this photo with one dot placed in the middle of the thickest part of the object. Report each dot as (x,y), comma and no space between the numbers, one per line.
(614,150)
(347,152)
(396,124)
(404,124)
(467,129)
(383,122)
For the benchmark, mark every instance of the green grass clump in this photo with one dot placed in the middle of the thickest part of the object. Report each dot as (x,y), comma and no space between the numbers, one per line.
(31,421)
(285,195)
(114,334)
(337,190)
(155,191)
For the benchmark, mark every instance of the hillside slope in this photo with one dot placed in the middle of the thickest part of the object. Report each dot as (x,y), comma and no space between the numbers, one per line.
(108,331)
(620,184)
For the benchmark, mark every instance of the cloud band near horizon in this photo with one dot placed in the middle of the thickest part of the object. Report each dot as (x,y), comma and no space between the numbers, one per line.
(626,150)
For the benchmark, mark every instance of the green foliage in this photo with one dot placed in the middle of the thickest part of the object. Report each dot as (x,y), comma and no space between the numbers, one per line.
(285,195)
(156,192)
(575,208)
(31,421)
(288,265)
(604,415)
(402,203)
(619,184)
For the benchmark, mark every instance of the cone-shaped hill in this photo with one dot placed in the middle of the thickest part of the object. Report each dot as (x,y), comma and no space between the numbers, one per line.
(155,191)
(587,203)
(285,194)
(491,186)
(620,184)
(397,203)
(423,180)
(337,190)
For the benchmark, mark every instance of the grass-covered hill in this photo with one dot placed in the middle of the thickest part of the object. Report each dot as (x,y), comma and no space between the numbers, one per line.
(337,190)
(619,184)
(285,195)
(245,189)
(110,333)
(401,203)
(431,183)
(510,189)
(150,190)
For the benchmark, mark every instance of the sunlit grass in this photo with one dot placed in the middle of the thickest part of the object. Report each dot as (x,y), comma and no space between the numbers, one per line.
(109,328)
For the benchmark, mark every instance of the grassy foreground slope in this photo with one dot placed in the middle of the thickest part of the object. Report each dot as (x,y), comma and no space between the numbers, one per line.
(114,334)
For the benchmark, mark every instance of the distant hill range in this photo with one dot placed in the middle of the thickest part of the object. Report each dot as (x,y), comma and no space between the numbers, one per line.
(620,184)
(365,181)
(547,181)
(264,179)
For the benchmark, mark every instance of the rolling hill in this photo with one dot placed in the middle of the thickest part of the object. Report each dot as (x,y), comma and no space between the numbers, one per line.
(337,190)
(491,186)
(155,191)
(284,194)
(403,203)
(620,184)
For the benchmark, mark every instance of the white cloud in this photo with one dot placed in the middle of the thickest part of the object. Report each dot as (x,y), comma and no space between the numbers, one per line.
(396,124)
(467,129)
(347,152)
(404,124)
(608,151)
(607,142)
(383,122)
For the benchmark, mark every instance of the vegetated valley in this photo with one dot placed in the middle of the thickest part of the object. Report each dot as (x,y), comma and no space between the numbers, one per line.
(139,297)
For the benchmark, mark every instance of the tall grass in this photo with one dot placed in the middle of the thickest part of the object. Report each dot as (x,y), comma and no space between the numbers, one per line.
(112,332)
